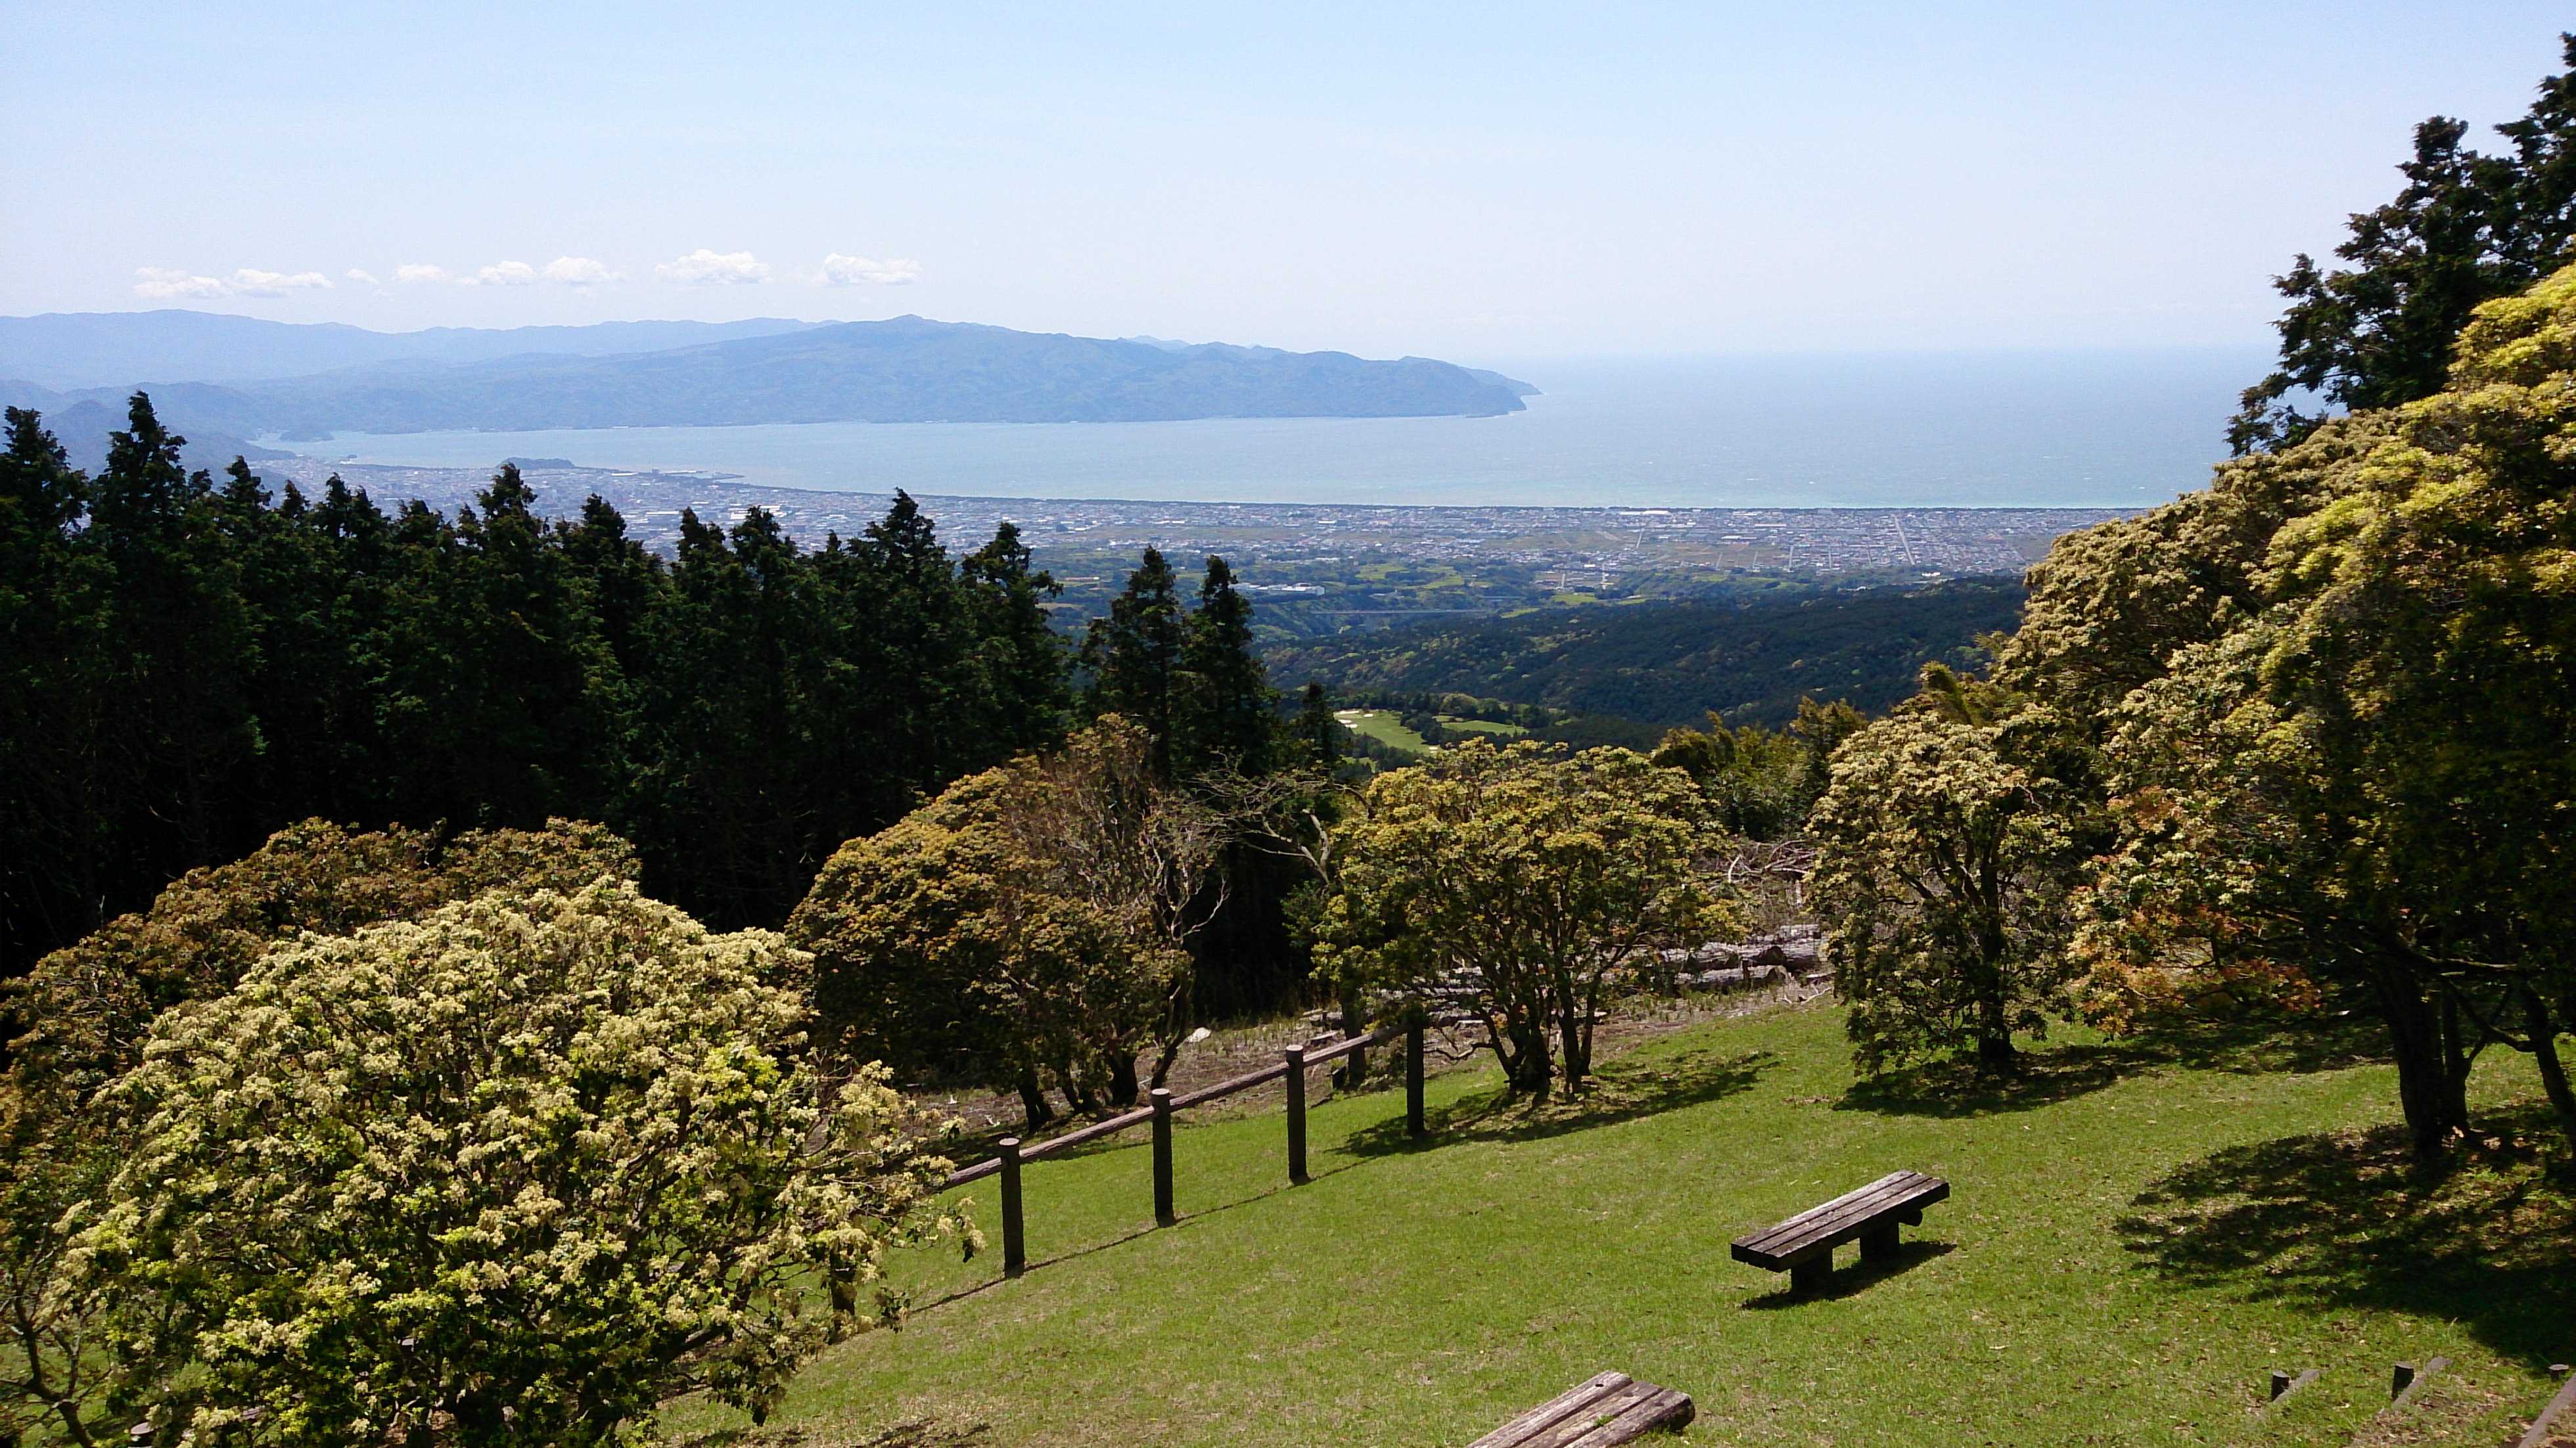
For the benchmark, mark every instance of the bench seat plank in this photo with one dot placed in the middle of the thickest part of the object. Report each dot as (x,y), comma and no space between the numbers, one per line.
(1824,1220)
(1898,1196)
(1603,1411)
(1519,1432)
(1599,1412)
(1863,1201)
(1663,1410)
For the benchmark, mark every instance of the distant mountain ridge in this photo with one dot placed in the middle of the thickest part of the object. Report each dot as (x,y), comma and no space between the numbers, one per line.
(908,369)
(66,351)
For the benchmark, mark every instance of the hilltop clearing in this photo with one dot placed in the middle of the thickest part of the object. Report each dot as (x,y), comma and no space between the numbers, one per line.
(2137,1236)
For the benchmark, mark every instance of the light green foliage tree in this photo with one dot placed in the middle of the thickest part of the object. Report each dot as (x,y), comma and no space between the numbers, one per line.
(1947,844)
(1026,926)
(513,1172)
(2365,776)
(1753,777)
(85,1012)
(1524,879)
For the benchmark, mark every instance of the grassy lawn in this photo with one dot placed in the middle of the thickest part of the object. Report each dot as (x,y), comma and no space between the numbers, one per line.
(2136,1237)
(1494,727)
(1383,726)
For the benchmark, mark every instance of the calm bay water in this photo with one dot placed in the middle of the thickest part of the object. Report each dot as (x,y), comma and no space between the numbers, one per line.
(2024,429)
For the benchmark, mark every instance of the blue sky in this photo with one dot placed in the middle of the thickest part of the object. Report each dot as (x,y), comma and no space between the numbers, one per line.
(1493,181)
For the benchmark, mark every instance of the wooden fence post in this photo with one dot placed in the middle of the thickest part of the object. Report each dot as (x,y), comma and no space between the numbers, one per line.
(1296,1114)
(1413,1123)
(1164,1216)
(1015,1240)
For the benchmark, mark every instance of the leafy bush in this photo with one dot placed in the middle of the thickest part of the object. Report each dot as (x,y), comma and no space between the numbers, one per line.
(1520,878)
(1947,845)
(87,1009)
(1025,927)
(512,1172)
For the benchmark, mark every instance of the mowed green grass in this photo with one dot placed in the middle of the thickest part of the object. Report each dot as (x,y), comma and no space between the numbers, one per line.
(2135,1240)
(1494,727)
(1384,726)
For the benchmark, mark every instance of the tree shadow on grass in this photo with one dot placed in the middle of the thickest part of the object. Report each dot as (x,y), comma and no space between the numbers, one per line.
(2342,1221)
(2045,1077)
(1852,1280)
(1623,1090)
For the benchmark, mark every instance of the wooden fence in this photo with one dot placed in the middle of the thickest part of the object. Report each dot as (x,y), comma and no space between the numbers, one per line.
(1292,1068)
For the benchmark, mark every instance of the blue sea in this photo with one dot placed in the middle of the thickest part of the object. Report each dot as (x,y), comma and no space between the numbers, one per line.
(2122,429)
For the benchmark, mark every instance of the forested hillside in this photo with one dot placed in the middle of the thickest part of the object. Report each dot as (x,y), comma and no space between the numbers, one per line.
(1674,663)
(200,664)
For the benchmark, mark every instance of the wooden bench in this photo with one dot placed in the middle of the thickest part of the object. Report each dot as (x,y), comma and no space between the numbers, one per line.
(1803,1246)
(1596,1413)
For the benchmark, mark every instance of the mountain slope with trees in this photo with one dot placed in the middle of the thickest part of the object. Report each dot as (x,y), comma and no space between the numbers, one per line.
(1676,663)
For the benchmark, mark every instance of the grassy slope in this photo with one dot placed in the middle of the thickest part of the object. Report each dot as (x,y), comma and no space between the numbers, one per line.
(2130,1247)
(1385,727)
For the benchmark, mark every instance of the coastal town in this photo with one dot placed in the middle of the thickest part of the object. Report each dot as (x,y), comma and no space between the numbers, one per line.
(1325,568)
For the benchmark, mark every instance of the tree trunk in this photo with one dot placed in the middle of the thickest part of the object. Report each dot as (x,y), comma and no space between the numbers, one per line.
(1163,1062)
(2457,1057)
(1521,1047)
(1995,1055)
(1033,1102)
(2425,1089)
(2553,1072)
(1354,1067)
(1574,1038)
(1123,1090)
(1536,1067)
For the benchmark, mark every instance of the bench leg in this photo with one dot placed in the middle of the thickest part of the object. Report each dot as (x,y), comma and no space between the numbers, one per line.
(1878,1244)
(1809,1275)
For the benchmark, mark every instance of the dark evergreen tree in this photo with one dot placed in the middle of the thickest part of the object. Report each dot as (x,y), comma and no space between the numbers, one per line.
(1224,710)
(2466,228)
(1134,655)
(179,718)
(1316,731)
(498,712)
(60,815)
(1023,657)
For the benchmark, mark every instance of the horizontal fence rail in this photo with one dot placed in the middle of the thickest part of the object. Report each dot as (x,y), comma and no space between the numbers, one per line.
(1295,1061)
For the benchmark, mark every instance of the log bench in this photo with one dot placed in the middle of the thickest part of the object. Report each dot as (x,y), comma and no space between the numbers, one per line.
(1596,1413)
(1803,1246)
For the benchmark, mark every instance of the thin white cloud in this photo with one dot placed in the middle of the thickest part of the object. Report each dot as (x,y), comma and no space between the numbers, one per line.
(249,282)
(362,277)
(170,284)
(503,274)
(705,267)
(847,271)
(165,284)
(578,271)
(420,271)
